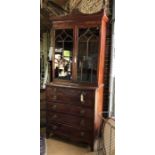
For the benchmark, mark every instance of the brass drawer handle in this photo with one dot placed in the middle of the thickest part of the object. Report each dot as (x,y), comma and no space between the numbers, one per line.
(54,107)
(54,127)
(82,98)
(82,122)
(82,112)
(54,116)
(54,97)
(82,134)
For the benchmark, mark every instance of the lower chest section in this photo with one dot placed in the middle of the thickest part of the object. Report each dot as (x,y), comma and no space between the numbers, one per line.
(70,113)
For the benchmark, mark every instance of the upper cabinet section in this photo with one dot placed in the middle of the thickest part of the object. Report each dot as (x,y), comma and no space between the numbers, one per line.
(79,46)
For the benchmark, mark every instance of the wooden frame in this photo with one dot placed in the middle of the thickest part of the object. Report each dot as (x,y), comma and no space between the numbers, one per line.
(65,93)
(82,21)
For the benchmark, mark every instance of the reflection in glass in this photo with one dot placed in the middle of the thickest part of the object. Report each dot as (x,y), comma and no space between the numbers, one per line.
(88,47)
(63,54)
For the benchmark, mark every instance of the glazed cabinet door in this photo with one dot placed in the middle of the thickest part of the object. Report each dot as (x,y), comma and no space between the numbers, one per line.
(88,49)
(85,69)
(63,54)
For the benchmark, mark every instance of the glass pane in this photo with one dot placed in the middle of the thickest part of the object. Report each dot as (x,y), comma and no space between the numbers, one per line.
(88,47)
(63,54)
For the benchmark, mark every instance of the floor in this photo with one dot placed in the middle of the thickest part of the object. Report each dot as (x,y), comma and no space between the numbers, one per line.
(59,147)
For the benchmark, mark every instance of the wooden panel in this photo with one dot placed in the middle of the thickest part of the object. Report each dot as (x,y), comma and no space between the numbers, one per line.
(74,64)
(102,51)
(76,122)
(61,25)
(76,86)
(70,109)
(77,17)
(70,24)
(98,109)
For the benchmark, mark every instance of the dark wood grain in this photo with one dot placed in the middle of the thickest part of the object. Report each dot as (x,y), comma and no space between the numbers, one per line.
(78,17)
(68,132)
(73,121)
(102,51)
(71,109)
(72,96)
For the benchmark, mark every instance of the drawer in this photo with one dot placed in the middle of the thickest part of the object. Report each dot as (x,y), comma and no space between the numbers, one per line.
(70,133)
(70,109)
(68,95)
(73,121)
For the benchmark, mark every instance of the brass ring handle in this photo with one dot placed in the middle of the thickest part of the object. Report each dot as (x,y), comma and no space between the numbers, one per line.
(54,97)
(54,116)
(82,134)
(82,112)
(54,107)
(82,98)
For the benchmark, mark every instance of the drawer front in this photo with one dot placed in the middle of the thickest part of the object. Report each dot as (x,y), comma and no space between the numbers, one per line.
(76,96)
(70,133)
(70,109)
(73,121)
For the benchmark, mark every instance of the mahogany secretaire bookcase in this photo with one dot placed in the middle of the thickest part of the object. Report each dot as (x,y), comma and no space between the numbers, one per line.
(75,95)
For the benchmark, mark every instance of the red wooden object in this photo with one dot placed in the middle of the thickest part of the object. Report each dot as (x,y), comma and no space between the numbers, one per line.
(73,106)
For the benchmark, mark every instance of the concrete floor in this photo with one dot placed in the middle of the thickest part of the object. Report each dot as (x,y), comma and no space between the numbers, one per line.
(58,147)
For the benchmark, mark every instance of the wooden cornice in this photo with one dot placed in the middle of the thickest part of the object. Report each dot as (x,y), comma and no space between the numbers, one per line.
(79,16)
